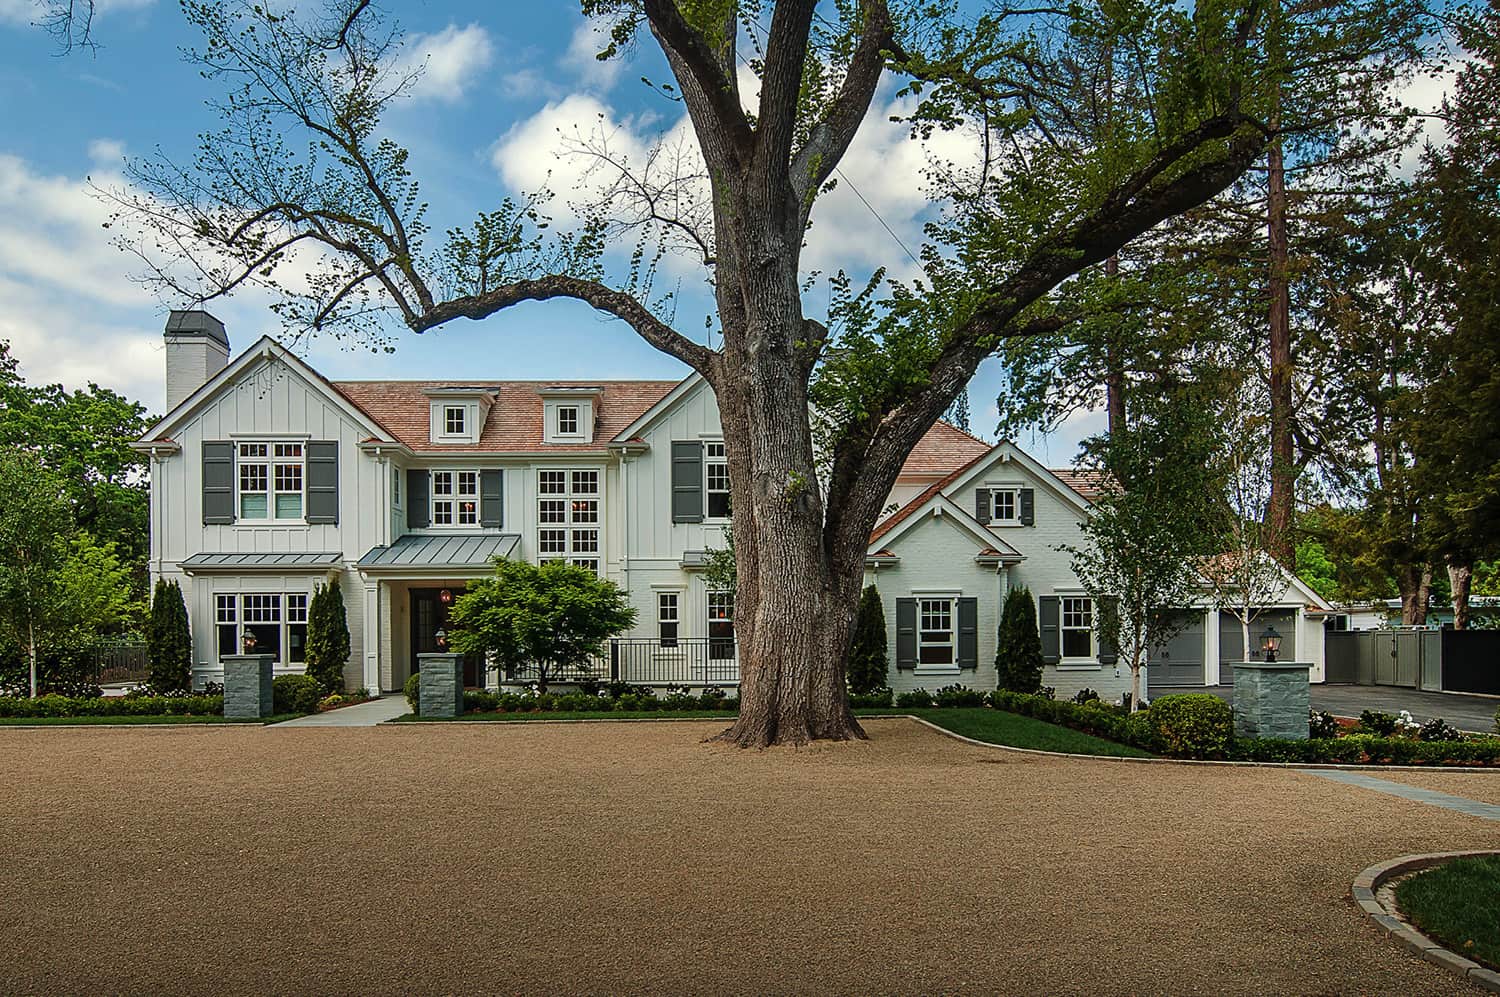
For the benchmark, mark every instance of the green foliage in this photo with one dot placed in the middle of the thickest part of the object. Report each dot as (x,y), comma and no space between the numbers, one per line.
(295,694)
(1438,729)
(958,697)
(1194,725)
(111,706)
(877,700)
(869,661)
(719,571)
(1316,569)
(1321,725)
(1378,723)
(916,699)
(555,616)
(327,649)
(1018,658)
(413,692)
(169,642)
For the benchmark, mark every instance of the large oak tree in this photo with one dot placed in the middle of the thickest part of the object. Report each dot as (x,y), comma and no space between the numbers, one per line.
(301,163)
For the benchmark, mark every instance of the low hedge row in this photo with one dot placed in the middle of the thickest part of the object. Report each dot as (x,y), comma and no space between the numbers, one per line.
(111,706)
(1198,725)
(583,702)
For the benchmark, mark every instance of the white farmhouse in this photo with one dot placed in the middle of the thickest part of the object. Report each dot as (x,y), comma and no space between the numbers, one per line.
(267,478)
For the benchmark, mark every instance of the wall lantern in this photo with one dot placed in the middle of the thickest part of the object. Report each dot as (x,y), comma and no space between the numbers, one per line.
(445,597)
(441,637)
(1270,643)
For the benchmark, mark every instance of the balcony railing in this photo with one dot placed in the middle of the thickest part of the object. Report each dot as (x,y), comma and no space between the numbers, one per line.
(690,661)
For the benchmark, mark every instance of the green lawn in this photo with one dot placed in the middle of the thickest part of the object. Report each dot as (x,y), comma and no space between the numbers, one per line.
(1458,904)
(992,726)
(1016,731)
(128,721)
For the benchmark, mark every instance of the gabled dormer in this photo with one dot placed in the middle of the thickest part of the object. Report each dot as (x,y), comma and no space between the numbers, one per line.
(568,414)
(456,413)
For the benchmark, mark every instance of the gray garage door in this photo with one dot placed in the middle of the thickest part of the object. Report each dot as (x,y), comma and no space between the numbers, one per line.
(1180,662)
(1232,639)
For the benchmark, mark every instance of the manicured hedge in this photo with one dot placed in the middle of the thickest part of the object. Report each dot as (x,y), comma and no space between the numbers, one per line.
(112,706)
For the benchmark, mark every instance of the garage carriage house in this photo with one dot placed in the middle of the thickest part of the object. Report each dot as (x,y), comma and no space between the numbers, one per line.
(267,479)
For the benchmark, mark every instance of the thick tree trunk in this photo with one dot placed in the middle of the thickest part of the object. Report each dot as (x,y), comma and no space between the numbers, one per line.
(1460,578)
(1281,505)
(1114,367)
(1415,583)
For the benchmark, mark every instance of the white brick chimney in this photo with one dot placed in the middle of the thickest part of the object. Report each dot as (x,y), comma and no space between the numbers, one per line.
(197,349)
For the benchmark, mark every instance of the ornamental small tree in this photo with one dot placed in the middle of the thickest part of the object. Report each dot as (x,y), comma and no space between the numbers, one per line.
(869,663)
(327,637)
(554,617)
(1018,661)
(169,641)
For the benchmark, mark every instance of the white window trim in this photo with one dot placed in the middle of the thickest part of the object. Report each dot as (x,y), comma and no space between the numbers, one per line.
(284,623)
(938,668)
(270,442)
(708,519)
(708,621)
(576,433)
(454,497)
(1004,486)
(444,433)
(567,496)
(1090,662)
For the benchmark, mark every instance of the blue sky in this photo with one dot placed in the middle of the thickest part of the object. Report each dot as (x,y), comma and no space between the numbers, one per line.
(482,123)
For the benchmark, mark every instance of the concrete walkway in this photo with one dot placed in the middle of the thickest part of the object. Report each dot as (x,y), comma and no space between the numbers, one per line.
(377,711)
(1464,805)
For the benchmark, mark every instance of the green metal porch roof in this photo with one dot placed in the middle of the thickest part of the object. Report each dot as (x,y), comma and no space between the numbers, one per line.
(425,551)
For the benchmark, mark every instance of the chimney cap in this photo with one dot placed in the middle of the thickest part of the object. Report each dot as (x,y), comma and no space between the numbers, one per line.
(196,322)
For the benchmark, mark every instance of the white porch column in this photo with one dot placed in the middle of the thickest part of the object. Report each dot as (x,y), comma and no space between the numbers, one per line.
(373,636)
(1211,654)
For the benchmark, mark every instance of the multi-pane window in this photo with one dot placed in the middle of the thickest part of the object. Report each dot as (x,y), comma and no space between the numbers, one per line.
(396,488)
(270,480)
(716,479)
(935,632)
(720,625)
(455,498)
(567,420)
(1077,627)
(277,621)
(667,618)
(1005,506)
(568,517)
(455,420)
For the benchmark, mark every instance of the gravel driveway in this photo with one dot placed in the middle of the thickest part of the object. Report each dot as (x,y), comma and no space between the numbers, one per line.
(631,857)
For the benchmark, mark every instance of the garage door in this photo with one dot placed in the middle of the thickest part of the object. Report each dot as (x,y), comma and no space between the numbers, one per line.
(1232,639)
(1180,662)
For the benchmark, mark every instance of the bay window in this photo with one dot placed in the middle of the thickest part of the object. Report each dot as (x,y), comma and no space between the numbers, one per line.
(278,621)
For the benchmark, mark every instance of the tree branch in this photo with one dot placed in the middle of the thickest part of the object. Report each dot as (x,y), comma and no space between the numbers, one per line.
(688,50)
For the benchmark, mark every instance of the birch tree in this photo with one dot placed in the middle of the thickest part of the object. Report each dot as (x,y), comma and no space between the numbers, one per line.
(301,171)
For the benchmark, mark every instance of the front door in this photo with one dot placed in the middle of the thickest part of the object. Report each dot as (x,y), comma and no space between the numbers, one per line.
(429,614)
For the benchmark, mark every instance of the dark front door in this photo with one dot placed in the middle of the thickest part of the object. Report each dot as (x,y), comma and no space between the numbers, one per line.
(429,614)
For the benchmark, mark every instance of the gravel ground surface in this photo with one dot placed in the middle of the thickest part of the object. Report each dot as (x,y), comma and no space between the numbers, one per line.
(631,857)
(1481,786)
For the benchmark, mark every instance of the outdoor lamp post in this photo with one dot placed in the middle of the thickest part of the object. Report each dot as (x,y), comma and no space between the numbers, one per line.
(442,639)
(1270,643)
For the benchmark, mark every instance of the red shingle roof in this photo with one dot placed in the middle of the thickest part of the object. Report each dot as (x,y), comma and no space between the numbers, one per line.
(1085,482)
(514,423)
(943,449)
(881,529)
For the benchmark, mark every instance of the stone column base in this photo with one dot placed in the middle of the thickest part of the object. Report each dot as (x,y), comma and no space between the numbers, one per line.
(1271,699)
(247,686)
(440,690)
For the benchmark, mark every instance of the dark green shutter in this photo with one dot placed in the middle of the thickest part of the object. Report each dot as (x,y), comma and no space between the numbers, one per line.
(968,632)
(982,505)
(218,483)
(1049,620)
(416,498)
(1028,507)
(1108,655)
(323,482)
(687,481)
(906,633)
(491,499)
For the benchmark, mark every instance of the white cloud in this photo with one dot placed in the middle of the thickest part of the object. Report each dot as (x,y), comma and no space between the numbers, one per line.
(534,153)
(1424,93)
(450,60)
(106,153)
(581,58)
(27,12)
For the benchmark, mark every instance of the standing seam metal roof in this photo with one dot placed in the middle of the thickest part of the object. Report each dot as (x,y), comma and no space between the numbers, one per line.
(442,550)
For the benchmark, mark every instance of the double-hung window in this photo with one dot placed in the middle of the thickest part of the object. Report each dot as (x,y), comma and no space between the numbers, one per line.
(270,481)
(1077,627)
(667,618)
(935,643)
(568,517)
(455,498)
(277,621)
(720,625)
(1005,506)
(716,479)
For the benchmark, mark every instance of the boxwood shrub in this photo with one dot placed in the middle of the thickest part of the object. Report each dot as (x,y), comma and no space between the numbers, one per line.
(295,694)
(1192,725)
(110,706)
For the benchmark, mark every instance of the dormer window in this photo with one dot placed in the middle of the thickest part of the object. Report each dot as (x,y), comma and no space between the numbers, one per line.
(457,413)
(455,420)
(569,413)
(567,420)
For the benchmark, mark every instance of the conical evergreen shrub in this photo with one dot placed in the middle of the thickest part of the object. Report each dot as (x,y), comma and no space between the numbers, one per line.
(1018,661)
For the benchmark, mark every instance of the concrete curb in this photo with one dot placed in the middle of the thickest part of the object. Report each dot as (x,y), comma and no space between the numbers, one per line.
(1364,894)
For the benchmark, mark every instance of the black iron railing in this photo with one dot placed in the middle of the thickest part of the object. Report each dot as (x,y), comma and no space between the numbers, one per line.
(690,661)
(123,662)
